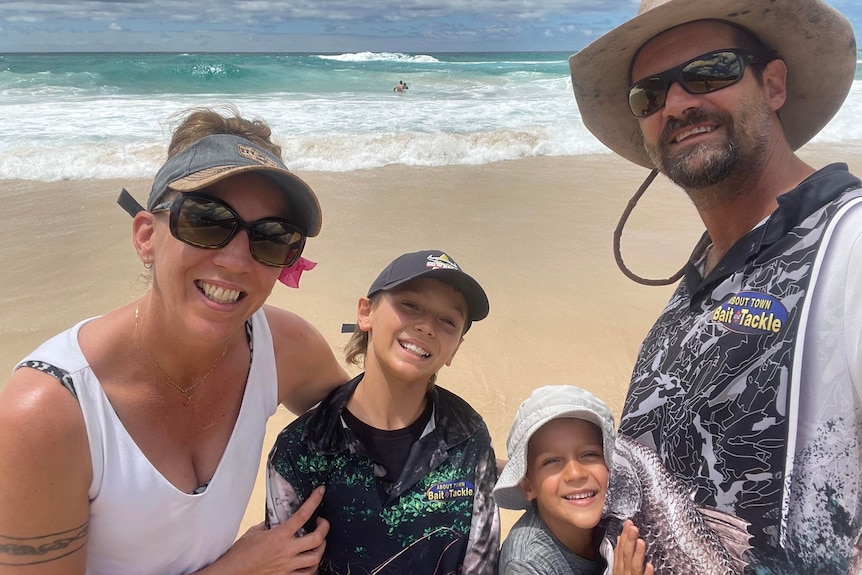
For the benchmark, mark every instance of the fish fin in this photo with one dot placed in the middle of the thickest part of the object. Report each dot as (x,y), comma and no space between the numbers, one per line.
(732,531)
(611,526)
(606,550)
(623,498)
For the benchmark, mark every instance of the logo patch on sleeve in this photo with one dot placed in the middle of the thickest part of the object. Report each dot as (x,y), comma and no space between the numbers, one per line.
(447,490)
(751,313)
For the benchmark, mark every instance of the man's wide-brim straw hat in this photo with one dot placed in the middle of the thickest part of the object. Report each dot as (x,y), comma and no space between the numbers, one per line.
(814,40)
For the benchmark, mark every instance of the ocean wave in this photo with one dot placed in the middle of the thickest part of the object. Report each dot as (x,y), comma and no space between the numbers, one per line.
(322,152)
(46,84)
(379,57)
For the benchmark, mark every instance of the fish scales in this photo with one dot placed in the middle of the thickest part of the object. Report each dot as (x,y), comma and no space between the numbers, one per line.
(679,540)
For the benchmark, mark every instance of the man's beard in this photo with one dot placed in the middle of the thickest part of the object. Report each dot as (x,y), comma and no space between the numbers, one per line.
(698,169)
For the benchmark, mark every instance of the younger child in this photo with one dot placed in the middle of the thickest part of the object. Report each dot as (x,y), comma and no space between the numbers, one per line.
(408,467)
(561,447)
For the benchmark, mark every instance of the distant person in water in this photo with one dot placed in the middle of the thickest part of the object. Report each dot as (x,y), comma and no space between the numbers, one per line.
(400,87)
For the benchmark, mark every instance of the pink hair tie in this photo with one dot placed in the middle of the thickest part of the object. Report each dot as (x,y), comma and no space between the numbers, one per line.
(290,276)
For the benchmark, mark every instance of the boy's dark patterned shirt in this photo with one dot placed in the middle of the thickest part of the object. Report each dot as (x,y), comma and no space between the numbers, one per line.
(438,517)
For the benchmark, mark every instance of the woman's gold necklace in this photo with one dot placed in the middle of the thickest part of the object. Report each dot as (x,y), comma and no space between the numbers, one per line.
(187,392)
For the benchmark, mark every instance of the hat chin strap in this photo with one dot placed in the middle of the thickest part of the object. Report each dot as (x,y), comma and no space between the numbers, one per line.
(618,234)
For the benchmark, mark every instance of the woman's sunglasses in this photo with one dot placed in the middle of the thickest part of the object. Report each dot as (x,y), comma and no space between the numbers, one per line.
(206,222)
(706,73)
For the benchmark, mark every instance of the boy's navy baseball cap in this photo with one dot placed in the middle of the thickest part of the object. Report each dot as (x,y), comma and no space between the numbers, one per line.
(437,265)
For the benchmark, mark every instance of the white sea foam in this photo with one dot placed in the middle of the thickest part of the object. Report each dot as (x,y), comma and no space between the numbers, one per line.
(378,57)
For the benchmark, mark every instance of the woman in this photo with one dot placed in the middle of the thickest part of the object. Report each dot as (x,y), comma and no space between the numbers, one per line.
(131,442)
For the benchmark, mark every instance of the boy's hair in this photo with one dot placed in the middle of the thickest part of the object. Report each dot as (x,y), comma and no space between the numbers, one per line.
(546,404)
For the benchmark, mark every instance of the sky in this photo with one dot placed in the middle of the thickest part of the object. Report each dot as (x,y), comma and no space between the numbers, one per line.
(409,26)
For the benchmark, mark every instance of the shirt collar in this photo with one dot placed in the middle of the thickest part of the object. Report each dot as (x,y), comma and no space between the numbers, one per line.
(451,419)
(813,193)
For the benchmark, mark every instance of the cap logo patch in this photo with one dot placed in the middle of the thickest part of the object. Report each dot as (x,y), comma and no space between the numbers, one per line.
(255,155)
(441,262)
(190,181)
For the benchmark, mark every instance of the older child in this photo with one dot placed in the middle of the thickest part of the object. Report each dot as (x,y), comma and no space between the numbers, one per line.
(561,449)
(408,467)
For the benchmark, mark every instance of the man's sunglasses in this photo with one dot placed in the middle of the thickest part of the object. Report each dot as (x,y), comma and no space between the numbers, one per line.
(706,73)
(206,222)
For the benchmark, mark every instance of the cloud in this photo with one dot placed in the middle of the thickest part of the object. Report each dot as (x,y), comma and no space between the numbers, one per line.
(301,25)
(315,25)
(368,10)
(23,19)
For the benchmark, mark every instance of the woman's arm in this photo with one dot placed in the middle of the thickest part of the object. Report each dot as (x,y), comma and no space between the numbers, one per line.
(45,458)
(307,367)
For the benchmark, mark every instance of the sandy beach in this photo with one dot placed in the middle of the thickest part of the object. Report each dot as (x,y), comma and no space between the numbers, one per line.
(537,234)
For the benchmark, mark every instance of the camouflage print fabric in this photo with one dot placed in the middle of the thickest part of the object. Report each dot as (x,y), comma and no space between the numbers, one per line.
(438,517)
(748,383)
(531,549)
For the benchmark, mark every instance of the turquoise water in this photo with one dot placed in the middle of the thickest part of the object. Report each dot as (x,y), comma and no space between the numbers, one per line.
(301,74)
(79,115)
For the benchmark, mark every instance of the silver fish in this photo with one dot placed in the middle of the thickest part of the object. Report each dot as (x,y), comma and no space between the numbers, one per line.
(682,538)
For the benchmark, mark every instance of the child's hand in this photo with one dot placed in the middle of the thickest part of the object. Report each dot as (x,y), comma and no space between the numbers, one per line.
(630,552)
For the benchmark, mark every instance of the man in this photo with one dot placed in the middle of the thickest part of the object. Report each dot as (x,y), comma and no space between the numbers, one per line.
(749,385)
